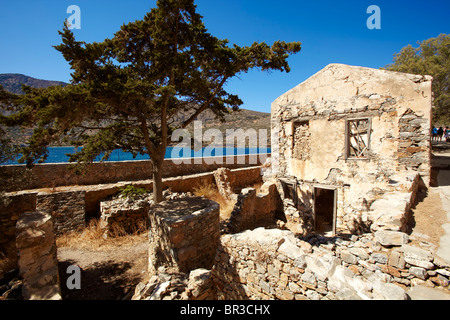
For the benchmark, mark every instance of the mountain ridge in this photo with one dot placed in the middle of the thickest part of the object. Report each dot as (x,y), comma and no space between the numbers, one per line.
(243,119)
(12,82)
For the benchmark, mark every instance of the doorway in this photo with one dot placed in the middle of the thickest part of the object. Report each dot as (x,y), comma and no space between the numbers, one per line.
(325,210)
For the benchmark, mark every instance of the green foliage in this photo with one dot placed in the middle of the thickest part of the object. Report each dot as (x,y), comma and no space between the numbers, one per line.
(133,192)
(432,57)
(6,147)
(132,91)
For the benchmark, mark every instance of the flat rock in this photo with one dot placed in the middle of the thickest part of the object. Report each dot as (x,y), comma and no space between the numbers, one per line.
(421,292)
(391,238)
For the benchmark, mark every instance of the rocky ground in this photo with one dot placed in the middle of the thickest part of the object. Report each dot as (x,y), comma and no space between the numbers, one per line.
(112,272)
(115,272)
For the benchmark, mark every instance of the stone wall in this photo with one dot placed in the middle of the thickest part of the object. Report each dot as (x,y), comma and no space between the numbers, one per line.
(36,249)
(74,205)
(274,264)
(55,175)
(184,234)
(11,207)
(314,130)
(67,209)
(254,209)
(414,150)
(121,215)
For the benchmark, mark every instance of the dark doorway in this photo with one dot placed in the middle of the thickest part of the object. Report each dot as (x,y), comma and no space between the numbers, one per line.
(324,210)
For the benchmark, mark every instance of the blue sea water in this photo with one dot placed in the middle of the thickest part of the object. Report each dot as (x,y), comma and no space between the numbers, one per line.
(60,154)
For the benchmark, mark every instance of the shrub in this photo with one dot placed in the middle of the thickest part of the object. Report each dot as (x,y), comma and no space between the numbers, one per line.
(132,192)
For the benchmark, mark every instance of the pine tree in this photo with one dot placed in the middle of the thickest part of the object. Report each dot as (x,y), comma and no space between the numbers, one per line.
(132,91)
(431,57)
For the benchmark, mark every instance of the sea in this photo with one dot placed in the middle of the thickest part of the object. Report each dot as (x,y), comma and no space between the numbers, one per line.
(61,154)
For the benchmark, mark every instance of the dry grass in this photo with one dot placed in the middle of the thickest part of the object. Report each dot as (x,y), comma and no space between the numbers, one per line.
(210,192)
(91,237)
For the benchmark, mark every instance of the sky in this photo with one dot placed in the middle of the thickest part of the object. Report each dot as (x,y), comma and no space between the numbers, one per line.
(330,32)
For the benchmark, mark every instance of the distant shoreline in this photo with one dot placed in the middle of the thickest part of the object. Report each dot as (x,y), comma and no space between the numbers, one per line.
(59,154)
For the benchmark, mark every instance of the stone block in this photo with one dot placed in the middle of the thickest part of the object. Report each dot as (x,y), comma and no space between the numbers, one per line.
(417,256)
(348,257)
(418,272)
(391,238)
(396,260)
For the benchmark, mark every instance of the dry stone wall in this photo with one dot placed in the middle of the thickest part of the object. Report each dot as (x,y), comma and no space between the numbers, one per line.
(61,174)
(11,207)
(36,249)
(184,234)
(123,215)
(67,209)
(254,209)
(274,264)
(72,206)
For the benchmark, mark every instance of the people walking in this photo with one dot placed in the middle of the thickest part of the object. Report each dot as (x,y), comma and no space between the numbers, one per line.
(434,134)
(440,132)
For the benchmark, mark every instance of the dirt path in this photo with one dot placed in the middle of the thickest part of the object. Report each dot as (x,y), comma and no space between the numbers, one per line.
(427,219)
(106,274)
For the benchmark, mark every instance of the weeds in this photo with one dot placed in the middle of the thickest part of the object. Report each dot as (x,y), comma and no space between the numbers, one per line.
(210,192)
(133,192)
(91,237)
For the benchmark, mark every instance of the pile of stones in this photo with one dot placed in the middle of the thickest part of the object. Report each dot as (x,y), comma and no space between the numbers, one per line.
(170,285)
(389,256)
(275,264)
(11,286)
(130,214)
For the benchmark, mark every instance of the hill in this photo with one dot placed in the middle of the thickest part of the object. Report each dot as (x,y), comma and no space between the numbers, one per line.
(13,82)
(243,119)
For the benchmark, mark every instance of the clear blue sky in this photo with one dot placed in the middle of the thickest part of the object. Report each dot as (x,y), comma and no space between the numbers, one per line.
(330,31)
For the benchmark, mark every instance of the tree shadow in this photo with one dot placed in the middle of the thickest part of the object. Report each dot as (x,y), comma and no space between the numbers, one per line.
(227,281)
(100,281)
(421,195)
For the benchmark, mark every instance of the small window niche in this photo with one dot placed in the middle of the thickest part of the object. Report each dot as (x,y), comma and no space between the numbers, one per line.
(301,141)
(357,138)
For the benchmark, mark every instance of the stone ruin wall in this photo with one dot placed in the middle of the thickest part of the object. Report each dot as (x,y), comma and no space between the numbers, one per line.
(71,207)
(36,250)
(18,177)
(67,209)
(268,264)
(253,209)
(374,196)
(309,137)
(184,234)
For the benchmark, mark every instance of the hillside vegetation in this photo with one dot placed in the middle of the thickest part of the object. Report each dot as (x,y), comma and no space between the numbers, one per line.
(243,119)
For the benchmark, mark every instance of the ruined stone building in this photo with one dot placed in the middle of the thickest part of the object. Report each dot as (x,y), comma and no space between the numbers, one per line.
(350,149)
(344,141)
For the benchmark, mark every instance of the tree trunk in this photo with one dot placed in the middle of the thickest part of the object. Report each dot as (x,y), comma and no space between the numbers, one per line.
(157,180)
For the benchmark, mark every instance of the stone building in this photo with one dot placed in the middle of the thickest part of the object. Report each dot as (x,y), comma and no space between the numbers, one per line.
(347,138)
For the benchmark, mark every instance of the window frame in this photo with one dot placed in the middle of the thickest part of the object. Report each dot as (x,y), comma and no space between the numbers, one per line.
(365,154)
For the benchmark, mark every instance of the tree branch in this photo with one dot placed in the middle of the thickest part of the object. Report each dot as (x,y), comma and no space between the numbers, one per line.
(205,105)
